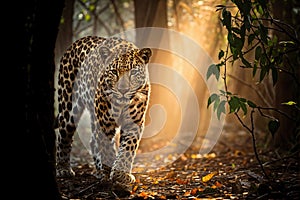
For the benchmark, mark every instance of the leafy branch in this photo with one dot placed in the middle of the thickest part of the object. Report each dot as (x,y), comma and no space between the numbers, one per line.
(251,28)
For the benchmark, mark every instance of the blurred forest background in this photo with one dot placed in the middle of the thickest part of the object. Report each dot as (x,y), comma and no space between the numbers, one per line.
(41,27)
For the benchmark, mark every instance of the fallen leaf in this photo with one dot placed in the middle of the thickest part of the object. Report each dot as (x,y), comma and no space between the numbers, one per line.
(218,184)
(195,190)
(134,188)
(195,156)
(180,181)
(208,177)
(143,194)
(210,155)
(187,193)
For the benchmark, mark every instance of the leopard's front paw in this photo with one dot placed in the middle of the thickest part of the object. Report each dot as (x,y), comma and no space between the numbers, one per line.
(102,175)
(122,182)
(64,172)
(122,177)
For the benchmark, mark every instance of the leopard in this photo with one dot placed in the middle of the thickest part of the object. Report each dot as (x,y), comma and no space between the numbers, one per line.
(108,77)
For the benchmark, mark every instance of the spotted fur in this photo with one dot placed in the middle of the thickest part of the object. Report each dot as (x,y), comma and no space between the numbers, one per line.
(109,78)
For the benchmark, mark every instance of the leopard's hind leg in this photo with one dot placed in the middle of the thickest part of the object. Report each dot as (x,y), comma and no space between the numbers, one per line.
(69,115)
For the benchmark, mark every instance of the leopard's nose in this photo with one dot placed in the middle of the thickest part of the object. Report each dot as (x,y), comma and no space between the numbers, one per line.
(123,90)
(123,85)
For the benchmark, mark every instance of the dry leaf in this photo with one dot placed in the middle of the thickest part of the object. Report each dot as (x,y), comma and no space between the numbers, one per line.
(143,194)
(208,177)
(134,189)
(195,156)
(194,191)
(218,184)
(180,181)
(187,193)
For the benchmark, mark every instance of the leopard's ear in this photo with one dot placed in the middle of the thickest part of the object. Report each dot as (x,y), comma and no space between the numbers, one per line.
(145,54)
(105,53)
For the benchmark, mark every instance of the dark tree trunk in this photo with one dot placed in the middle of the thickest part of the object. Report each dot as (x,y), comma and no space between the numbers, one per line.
(35,32)
(286,88)
(65,33)
(149,13)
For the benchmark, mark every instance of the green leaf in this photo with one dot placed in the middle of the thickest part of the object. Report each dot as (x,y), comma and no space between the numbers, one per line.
(221,54)
(289,103)
(213,69)
(237,42)
(210,71)
(234,104)
(62,20)
(211,99)
(226,19)
(263,73)
(246,63)
(234,52)
(92,7)
(254,69)
(217,102)
(273,126)
(258,51)
(251,37)
(244,107)
(251,104)
(87,17)
(230,38)
(263,60)
(243,32)
(221,109)
(243,100)
(263,33)
(260,10)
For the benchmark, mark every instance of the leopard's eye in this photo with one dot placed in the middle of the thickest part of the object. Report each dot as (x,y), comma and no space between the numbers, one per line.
(134,72)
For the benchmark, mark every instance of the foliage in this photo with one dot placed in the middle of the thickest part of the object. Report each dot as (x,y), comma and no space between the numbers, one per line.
(252,29)
(105,17)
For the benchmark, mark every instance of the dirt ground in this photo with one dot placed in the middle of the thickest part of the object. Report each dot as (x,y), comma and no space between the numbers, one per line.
(229,171)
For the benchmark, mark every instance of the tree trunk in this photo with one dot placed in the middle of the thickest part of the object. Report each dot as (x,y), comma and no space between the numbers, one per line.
(37,28)
(65,33)
(286,88)
(149,13)
(63,41)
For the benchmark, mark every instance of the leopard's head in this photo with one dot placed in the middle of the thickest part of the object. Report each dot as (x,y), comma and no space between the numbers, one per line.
(126,72)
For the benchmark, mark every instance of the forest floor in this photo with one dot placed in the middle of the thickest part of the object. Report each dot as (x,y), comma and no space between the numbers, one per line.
(229,171)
